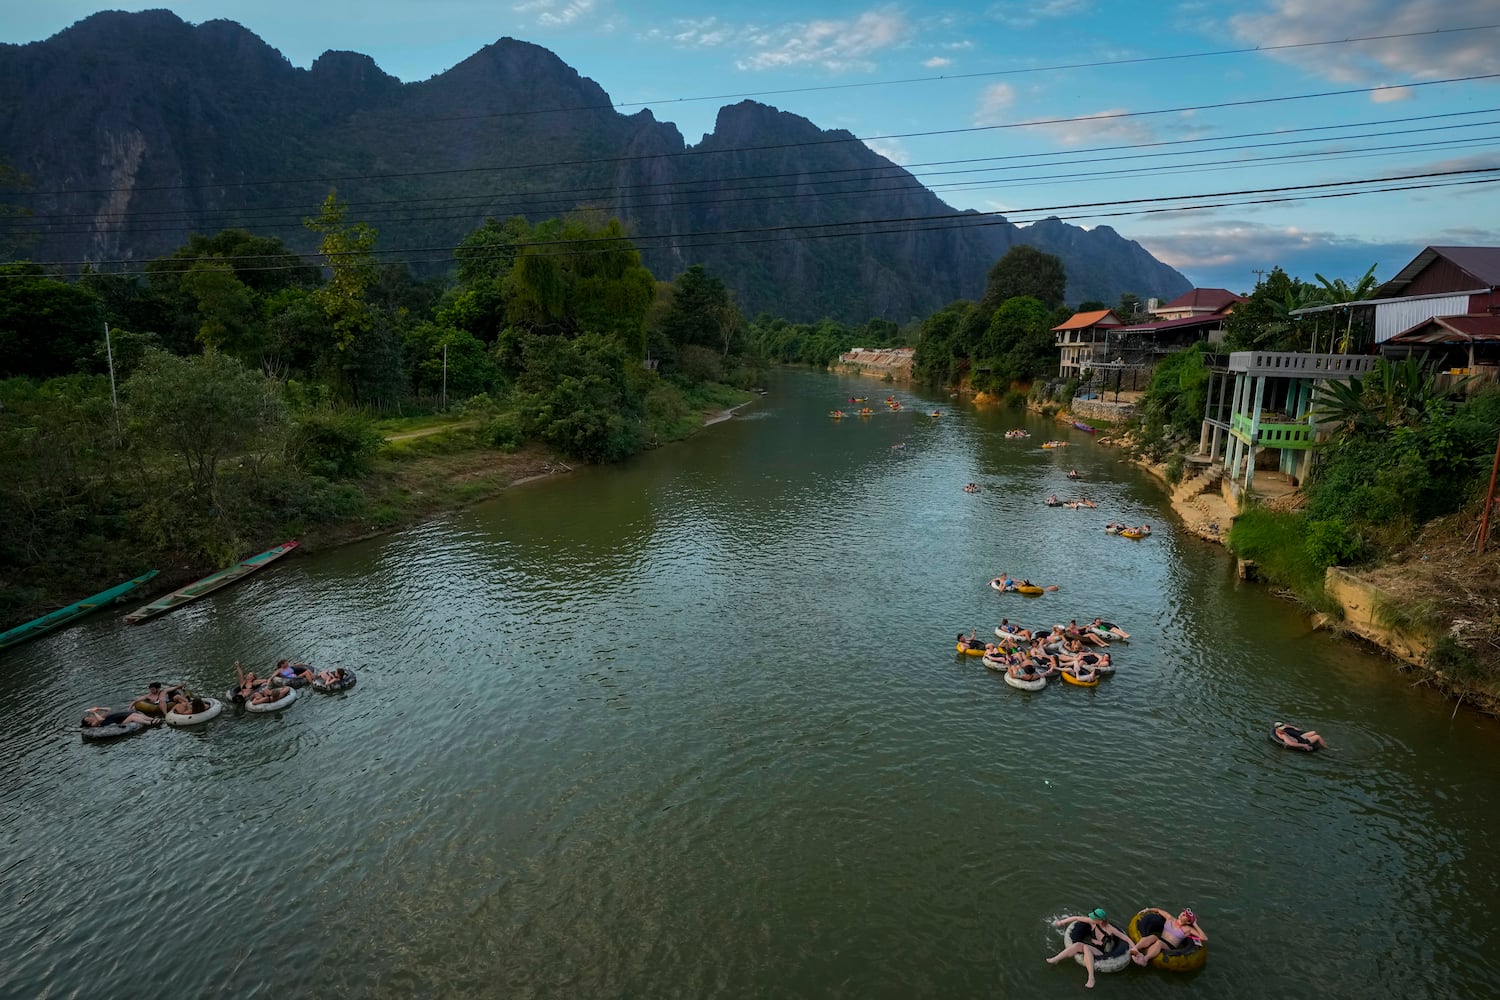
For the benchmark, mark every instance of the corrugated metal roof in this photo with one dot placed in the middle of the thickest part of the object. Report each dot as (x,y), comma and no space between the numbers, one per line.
(1452,330)
(1482,262)
(1080,321)
(1174,324)
(1213,299)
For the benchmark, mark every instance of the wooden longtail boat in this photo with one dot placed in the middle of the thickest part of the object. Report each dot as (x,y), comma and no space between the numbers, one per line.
(208,584)
(66,616)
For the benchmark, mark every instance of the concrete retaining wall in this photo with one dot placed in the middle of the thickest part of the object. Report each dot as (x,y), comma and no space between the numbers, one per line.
(1360,601)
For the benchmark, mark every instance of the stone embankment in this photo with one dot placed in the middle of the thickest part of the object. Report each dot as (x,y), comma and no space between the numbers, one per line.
(893,362)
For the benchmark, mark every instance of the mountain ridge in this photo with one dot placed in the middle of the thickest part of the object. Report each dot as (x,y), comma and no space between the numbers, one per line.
(139,129)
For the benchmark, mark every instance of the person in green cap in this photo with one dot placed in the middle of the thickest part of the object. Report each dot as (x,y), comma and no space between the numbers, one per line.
(1093,939)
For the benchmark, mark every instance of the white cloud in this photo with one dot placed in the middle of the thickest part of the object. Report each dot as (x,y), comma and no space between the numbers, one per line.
(1095,128)
(556,13)
(1427,55)
(891,149)
(994,101)
(833,44)
(1385,95)
(937,62)
(1023,14)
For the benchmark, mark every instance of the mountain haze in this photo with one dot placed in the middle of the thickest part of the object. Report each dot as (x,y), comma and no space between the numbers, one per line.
(136,130)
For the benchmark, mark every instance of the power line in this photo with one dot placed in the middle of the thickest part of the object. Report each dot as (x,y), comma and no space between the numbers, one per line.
(595,162)
(862,174)
(1443,178)
(984,74)
(519,203)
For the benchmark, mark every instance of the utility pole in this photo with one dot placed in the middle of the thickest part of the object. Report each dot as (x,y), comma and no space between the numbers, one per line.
(1489,501)
(109,352)
(1258,272)
(445,378)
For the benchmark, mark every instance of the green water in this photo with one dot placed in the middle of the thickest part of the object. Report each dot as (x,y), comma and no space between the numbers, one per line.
(695,727)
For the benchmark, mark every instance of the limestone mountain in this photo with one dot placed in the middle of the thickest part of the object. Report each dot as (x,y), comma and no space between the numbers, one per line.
(135,130)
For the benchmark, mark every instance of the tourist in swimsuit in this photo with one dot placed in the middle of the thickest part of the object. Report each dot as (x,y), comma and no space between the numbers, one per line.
(1111,628)
(1160,930)
(971,642)
(1095,945)
(99,716)
(1291,735)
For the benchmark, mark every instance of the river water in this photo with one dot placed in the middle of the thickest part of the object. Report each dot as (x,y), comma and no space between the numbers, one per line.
(695,727)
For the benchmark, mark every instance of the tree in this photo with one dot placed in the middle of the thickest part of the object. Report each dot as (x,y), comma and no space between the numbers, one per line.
(702,312)
(201,409)
(47,327)
(1026,270)
(1262,323)
(347,253)
(226,310)
(489,252)
(1129,308)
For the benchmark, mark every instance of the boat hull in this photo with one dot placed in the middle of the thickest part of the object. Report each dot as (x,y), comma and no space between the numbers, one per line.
(209,584)
(66,616)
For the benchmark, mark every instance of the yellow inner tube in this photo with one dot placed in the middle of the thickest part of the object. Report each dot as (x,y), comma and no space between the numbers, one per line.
(1032,591)
(146,708)
(963,648)
(1081,683)
(1132,534)
(1184,958)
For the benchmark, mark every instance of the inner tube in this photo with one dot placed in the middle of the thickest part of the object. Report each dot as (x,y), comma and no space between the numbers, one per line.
(995,585)
(1021,684)
(273,706)
(343,685)
(1186,957)
(1115,957)
(965,649)
(1081,683)
(1029,591)
(215,706)
(1294,745)
(1129,533)
(97,733)
(995,663)
(146,707)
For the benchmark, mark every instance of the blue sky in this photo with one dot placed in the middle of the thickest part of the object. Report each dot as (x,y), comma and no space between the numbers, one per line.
(1062,102)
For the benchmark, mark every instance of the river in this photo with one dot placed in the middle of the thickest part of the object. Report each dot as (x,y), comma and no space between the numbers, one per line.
(695,726)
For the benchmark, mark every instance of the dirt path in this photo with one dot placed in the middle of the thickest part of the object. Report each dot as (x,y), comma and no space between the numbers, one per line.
(425,432)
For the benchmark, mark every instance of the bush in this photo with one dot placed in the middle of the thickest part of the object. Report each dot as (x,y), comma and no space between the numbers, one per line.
(1332,543)
(1175,466)
(504,432)
(1014,399)
(336,445)
(700,364)
(1278,544)
(1050,410)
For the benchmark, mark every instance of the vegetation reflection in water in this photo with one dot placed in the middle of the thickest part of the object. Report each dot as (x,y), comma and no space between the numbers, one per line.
(695,726)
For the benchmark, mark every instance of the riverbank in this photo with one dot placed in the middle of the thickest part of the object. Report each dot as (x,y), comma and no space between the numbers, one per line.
(1433,608)
(417,475)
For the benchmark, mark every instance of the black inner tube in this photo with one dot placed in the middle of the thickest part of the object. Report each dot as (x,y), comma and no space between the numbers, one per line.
(1082,933)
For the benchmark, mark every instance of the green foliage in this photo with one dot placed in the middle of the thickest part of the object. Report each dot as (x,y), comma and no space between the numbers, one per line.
(47,327)
(200,411)
(1261,323)
(1014,399)
(347,253)
(1332,542)
(1177,395)
(489,252)
(571,277)
(335,445)
(941,357)
(1175,466)
(1025,271)
(1277,542)
(582,397)
(702,313)
(504,432)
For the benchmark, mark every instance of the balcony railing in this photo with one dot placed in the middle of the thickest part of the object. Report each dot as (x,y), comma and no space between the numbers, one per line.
(1296,436)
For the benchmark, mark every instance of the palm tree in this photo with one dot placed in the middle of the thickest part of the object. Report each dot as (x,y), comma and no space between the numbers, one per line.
(1339,290)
